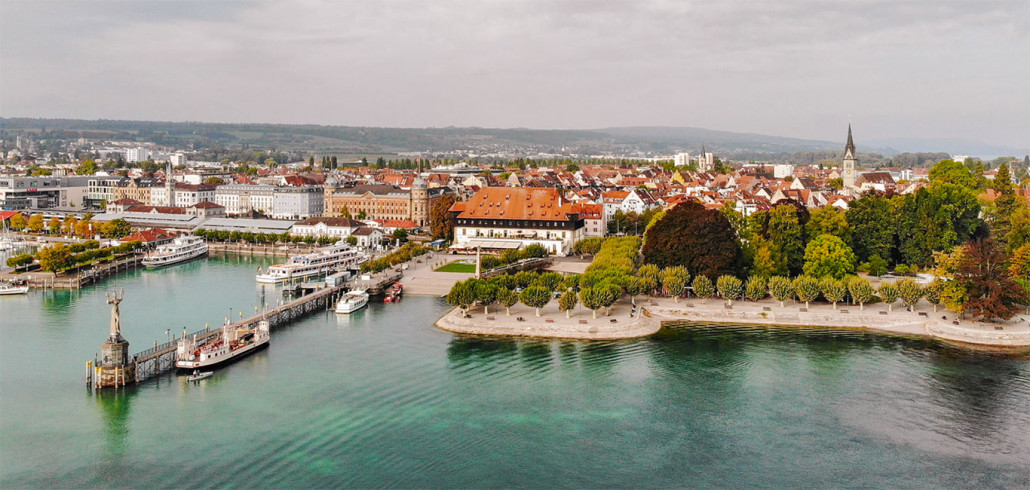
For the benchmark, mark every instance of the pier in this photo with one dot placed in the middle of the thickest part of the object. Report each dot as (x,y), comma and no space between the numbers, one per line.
(83,277)
(160,358)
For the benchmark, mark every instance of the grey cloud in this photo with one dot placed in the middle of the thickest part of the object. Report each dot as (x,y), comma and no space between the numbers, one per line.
(794,68)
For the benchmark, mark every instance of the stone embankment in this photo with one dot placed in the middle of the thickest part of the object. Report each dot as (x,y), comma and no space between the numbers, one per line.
(921,322)
(258,249)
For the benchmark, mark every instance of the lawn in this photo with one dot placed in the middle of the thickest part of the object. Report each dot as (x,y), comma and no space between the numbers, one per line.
(458,267)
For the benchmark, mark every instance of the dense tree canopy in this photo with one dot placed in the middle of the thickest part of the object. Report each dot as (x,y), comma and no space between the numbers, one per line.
(441,221)
(694,237)
(828,255)
(872,222)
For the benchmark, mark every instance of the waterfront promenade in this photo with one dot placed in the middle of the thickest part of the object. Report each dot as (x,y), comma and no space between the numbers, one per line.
(653,312)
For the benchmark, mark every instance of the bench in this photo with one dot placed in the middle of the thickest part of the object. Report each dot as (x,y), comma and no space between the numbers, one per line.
(582,322)
(923,313)
(549,320)
(613,320)
(766,308)
(954,322)
(844,311)
(489,318)
(999,328)
(883,312)
(728,307)
(803,310)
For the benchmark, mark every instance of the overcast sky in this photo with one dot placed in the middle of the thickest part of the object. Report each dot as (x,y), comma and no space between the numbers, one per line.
(799,68)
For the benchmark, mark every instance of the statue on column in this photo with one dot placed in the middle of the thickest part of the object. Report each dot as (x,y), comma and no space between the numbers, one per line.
(116,319)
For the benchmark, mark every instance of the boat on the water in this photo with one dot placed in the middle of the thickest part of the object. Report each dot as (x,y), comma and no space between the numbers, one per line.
(393,294)
(8,288)
(317,263)
(197,375)
(234,343)
(352,301)
(181,249)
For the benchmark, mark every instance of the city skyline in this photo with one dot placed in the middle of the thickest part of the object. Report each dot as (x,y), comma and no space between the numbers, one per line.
(797,69)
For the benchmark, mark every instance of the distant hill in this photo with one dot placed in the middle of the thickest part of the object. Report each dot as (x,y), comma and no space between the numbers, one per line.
(952,146)
(670,139)
(624,141)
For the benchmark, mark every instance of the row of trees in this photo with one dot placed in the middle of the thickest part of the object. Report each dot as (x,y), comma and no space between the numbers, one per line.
(86,227)
(405,253)
(264,238)
(61,257)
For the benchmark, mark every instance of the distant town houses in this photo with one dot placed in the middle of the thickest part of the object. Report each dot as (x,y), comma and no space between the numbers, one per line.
(501,205)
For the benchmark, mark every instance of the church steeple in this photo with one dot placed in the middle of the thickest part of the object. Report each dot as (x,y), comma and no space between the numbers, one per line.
(849,149)
(849,173)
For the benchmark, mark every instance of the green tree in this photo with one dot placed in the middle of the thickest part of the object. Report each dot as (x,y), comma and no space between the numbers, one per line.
(806,288)
(828,255)
(675,287)
(872,222)
(116,228)
(768,261)
(54,226)
(567,302)
(699,239)
(889,293)
(463,295)
(647,285)
(589,297)
(861,291)
(953,172)
(486,294)
(351,240)
(756,288)
(507,298)
(935,218)
(607,295)
(909,291)
(876,266)
(781,288)
(678,272)
(535,297)
(703,287)
(834,290)
(345,213)
(829,221)
(933,292)
(787,233)
(730,288)
(87,167)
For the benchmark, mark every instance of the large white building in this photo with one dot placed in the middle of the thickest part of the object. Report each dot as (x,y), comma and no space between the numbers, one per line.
(139,154)
(297,202)
(498,218)
(243,198)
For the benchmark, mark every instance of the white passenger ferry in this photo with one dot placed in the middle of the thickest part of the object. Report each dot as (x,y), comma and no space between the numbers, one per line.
(181,249)
(352,301)
(235,342)
(317,263)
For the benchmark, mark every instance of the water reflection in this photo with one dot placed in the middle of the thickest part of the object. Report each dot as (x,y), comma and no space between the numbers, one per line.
(115,409)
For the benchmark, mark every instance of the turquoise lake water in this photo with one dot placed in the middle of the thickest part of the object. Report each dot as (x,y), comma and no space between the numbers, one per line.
(383,399)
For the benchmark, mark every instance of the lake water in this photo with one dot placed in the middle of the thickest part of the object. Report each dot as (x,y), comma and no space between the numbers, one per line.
(382,398)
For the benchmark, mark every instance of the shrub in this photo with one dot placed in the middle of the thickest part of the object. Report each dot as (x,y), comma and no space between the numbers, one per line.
(806,288)
(834,290)
(861,291)
(909,291)
(781,288)
(730,288)
(703,287)
(756,288)
(888,292)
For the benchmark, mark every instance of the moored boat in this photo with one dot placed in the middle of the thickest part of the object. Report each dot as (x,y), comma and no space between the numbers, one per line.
(235,342)
(352,301)
(393,294)
(317,263)
(197,375)
(181,249)
(8,288)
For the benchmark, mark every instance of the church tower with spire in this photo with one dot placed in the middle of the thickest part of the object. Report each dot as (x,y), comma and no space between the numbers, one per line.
(848,172)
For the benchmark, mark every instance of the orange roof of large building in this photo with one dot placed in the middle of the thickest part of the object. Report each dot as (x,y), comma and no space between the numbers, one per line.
(518,203)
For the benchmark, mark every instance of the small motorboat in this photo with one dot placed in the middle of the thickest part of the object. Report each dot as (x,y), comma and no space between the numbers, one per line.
(9,288)
(197,375)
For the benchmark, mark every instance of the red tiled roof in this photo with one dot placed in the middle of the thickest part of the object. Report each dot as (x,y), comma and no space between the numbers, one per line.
(151,235)
(397,223)
(519,203)
(6,215)
(207,205)
(140,208)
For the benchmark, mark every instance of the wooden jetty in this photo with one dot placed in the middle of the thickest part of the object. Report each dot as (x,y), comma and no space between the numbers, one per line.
(161,358)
